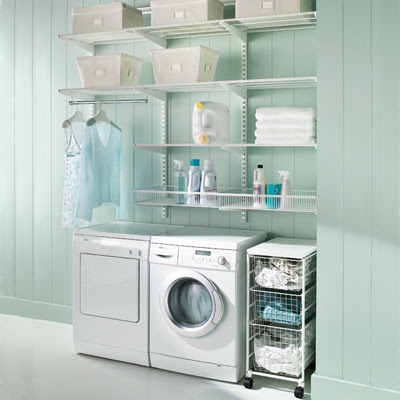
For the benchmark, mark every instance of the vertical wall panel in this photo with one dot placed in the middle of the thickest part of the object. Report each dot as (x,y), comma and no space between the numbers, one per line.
(41,149)
(23,150)
(60,250)
(385,312)
(330,189)
(357,186)
(7,157)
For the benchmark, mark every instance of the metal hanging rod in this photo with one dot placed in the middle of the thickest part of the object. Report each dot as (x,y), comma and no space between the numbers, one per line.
(78,102)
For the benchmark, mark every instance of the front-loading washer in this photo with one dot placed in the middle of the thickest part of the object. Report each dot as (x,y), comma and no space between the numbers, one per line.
(111,289)
(197,301)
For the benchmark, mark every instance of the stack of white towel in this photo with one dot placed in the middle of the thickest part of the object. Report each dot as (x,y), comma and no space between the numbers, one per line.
(285,126)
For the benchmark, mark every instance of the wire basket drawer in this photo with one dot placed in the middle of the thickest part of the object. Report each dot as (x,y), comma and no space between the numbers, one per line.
(280,350)
(281,308)
(283,273)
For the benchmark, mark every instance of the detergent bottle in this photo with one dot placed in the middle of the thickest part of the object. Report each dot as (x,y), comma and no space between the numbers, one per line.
(286,204)
(211,123)
(259,185)
(180,182)
(194,183)
(208,188)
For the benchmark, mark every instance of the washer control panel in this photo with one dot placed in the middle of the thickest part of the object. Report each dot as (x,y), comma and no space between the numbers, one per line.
(207,258)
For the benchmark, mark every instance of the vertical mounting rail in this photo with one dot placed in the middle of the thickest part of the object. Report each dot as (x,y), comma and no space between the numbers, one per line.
(244,125)
(164,156)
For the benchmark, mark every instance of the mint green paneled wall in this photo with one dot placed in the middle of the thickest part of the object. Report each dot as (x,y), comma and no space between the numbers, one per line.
(35,252)
(358,321)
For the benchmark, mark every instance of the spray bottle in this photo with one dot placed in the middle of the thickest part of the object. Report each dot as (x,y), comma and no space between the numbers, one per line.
(286,204)
(208,184)
(259,188)
(194,182)
(180,182)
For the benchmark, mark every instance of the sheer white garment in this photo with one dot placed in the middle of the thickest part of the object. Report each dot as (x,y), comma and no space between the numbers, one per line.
(71,181)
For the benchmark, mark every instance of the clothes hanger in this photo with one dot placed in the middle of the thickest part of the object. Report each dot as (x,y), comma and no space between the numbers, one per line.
(75,118)
(101,116)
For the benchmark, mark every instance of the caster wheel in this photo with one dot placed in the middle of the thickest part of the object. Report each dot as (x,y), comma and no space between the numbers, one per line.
(299,392)
(248,383)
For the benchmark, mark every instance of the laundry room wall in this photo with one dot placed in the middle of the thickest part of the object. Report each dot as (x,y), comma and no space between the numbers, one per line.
(358,311)
(35,252)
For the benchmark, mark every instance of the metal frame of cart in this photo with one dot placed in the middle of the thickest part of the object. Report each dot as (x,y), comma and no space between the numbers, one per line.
(308,303)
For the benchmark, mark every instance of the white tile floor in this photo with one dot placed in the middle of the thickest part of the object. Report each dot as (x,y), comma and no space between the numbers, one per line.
(37,362)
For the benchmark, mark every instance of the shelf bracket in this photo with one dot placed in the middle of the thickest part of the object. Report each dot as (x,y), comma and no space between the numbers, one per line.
(162,96)
(164,171)
(235,31)
(82,45)
(152,38)
(239,92)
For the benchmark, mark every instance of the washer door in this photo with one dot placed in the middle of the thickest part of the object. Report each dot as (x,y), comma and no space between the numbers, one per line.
(193,307)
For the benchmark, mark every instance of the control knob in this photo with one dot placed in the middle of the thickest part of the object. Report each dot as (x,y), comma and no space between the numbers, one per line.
(221,260)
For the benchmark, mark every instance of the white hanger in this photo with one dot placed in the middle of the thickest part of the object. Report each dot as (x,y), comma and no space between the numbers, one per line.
(101,116)
(77,117)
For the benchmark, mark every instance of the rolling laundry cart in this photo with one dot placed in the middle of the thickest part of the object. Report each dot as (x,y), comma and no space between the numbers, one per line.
(281,305)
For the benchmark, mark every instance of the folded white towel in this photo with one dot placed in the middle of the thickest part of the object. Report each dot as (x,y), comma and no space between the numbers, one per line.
(284,133)
(285,141)
(291,113)
(288,125)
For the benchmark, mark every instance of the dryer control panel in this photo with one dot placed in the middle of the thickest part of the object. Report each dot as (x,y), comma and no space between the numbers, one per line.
(224,260)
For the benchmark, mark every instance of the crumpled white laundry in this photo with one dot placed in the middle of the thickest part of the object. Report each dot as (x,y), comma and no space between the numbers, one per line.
(276,279)
(278,360)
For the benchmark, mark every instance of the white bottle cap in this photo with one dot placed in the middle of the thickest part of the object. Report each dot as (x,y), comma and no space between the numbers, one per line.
(208,163)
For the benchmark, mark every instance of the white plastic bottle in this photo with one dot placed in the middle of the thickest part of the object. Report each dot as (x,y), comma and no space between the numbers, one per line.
(211,123)
(180,182)
(259,185)
(286,204)
(194,182)
(208,188)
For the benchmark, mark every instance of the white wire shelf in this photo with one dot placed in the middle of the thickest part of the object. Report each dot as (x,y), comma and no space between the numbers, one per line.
(304,201)
(228,199)
(239,87)
(160,34)
(236,147)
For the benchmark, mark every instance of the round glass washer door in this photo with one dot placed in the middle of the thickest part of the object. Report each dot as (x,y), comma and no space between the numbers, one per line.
(193,307)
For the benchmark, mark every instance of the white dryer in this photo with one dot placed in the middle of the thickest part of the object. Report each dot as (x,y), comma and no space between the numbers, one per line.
(197,301)
(111,288)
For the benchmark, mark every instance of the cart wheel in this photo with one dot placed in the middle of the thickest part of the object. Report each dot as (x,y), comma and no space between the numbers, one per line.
(248,383)
(299,392)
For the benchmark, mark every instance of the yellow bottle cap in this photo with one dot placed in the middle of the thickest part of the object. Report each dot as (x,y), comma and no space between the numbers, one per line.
(199,106)
(202,139)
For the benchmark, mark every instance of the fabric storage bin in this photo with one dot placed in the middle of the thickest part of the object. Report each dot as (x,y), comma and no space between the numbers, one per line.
(167,12)
(110,70)
(184,65)
(105,17)
(256,8)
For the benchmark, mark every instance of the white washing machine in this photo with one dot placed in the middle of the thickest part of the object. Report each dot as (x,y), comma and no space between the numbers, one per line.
(198,301)
(111,288)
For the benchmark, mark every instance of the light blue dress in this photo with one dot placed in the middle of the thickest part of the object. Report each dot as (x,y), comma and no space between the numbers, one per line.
(101,176)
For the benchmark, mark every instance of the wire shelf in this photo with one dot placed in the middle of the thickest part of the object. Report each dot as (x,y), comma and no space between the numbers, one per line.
(163,196)
(225,199)
(238,87)
(298,201)
(282,273)
(279,350)
(160,34)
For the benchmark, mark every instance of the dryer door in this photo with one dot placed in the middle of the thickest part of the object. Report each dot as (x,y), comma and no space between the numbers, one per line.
(193,307)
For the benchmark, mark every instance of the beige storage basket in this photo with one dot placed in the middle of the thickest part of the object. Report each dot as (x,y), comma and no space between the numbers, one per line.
(184,65)
(112,70)
(256,8)
(167,12)
(105,17)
